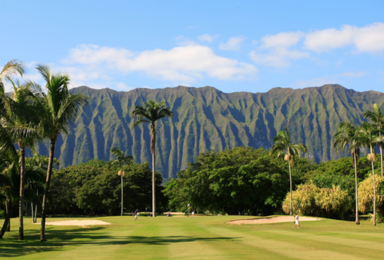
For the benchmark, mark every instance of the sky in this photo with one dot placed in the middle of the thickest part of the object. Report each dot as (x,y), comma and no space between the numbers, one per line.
(233,46)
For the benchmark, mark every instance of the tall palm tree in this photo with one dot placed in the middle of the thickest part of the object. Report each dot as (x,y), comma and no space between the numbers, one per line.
(150,113)
(348,135)
(369,139)
(283,146)
(24,115)
(121,158)
(58,108)
(377,119)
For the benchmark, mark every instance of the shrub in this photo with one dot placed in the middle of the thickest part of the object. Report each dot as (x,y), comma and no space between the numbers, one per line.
(308,199)
(366,196)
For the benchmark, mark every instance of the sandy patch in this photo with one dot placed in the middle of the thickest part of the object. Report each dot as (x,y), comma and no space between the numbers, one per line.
(82,223)
(271,220)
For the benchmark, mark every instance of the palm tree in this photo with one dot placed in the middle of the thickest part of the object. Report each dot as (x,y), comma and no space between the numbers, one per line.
(150,113)
(9,184)
(368,137)
(24,115)
(348,134)
(283,146)
(10,69)
(58,108)
(377,118)
(120,160)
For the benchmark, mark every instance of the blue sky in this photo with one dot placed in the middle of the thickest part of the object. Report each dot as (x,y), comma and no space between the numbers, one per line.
(231,45)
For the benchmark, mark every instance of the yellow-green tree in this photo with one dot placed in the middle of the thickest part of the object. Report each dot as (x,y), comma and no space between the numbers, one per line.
(366,197)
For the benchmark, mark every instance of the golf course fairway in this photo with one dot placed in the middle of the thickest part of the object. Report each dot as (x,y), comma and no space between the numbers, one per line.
(202,237)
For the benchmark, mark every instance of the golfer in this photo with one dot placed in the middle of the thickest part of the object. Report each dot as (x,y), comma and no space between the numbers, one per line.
(297,224)
(136,214)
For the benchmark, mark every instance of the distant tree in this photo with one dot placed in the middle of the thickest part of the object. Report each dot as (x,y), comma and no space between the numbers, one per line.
(368,139)
(121,159)
(283,146)
(95,188)
(35,186)
(348,135)
(377,118)
(242,179)
(58,108)
(150,113)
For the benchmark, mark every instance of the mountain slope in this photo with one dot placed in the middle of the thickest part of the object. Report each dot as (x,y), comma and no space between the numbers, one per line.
(208,119)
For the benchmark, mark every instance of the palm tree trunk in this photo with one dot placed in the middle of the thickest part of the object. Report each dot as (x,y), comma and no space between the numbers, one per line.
(381,159)
(374,194)
(153,144)
(35,217)
(290,186)
(7,221)
(46,189)
(8,211)
(32,211)
(153,187)
(356,190)
(121,175)
(21,192)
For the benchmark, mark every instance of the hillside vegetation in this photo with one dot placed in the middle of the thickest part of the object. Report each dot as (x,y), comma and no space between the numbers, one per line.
(208,119)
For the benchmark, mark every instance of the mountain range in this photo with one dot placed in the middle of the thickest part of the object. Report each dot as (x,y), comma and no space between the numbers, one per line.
(208,119)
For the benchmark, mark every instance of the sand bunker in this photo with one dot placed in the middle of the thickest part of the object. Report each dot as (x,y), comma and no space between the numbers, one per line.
(82,223)
(270,220)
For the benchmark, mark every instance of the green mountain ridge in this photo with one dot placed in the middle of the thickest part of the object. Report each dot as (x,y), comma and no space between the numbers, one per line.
(208,119)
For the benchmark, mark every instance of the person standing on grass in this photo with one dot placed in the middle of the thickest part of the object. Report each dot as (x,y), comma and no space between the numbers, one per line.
(193,213)
(297,224)
(136,214)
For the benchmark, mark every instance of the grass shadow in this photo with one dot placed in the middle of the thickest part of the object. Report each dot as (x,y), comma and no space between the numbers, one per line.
(58,239)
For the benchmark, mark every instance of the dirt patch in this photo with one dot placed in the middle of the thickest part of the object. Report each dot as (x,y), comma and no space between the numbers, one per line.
(270,220)
(82,223)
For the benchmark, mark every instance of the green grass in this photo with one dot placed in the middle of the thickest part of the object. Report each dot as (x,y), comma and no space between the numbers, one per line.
(197,238)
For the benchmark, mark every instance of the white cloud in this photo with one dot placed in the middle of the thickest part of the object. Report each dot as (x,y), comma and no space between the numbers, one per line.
(233,44)
(283,39)
(205,38)
(365,39)
(185,63)
(280,49)
(277,50)
(370,38)
(325,40)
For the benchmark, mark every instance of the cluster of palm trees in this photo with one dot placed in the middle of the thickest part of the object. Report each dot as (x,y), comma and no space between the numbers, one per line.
(367,135)
(28,115)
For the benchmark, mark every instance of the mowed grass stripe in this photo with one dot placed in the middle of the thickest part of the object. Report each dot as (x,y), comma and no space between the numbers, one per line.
(359,247)
(146,240)
(231,246)
(290,249)
(191,245)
